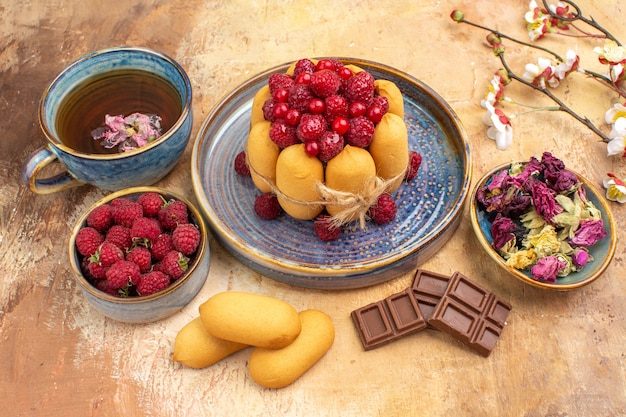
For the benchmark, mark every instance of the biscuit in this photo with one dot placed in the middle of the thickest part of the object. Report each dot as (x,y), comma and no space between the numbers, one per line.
(297,176)
(197,348)
(390,149)
(277,368)
(350,171)
(250,319)
(261,154)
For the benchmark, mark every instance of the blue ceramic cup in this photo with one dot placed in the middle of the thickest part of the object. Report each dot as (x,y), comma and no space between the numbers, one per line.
(110,171)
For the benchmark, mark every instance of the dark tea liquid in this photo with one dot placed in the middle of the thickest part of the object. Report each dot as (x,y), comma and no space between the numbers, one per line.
(118,93)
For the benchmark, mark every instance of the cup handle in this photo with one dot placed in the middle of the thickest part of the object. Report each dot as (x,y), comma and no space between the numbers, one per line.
(38,160)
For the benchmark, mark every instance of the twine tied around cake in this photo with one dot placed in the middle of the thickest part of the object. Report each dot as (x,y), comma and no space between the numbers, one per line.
(354,205)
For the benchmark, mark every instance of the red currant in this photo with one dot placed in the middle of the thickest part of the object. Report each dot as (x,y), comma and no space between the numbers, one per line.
(340,125)
(280,110)
(344,73)
(316,106)
(312,148)
(281,95)
(304,78)
(357,109)
(325,64)
(375,113)
(292,117)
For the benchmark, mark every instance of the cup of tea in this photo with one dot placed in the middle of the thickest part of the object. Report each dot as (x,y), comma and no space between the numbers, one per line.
(95,115)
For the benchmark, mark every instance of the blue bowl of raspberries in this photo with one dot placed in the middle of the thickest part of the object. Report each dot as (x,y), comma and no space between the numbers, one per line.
(140,254)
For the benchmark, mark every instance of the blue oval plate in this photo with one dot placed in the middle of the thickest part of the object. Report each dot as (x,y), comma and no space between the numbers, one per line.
(286,249)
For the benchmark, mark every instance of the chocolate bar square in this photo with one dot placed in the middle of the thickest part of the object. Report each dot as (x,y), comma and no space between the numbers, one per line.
(428,288)
(470,314)
(387,320)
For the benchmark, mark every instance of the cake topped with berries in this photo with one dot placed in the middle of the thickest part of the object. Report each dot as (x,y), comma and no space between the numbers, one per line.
(328,142)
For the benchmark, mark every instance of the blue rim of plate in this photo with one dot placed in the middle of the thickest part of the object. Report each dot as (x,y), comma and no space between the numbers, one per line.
(286,249)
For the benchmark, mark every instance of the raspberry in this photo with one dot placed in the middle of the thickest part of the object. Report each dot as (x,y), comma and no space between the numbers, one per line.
(104,286)
(381,102)
(141,256)
(120,201)
(374,113)
(361,132)
(152,282)
(303,66)
(174,264)
(88,240)
(325,83)
(125,214)
(327,64)
(325,229)
(96,270)
(384,210)
(161,246)
(299,97)
(119,236)
(145,228)
(267,207)
(100,218)
(331,144)
(241,166)
(151,203)
(336,106)
(186,238)
(312,148)
(282,134)
(268,109)
(311,127)
(107,254)
(173,213)
(360,87)
(123,273)
(415,161)
(279,80)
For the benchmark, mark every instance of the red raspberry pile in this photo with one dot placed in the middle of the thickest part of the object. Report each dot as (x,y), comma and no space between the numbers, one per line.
(324,106)
(136,247)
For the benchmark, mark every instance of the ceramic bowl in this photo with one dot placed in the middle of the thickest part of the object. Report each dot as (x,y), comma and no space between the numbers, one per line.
(285,249)
(143,309)
(602,251)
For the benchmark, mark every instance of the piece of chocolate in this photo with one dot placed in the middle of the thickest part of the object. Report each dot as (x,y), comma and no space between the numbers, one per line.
(470,314)
(387,320)
(428,288)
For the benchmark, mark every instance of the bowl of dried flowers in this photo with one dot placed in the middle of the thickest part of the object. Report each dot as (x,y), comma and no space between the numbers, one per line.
(543,223)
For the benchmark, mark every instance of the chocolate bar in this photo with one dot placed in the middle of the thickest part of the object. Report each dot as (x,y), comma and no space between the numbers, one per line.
(470,314)
(387,320)
(428,288)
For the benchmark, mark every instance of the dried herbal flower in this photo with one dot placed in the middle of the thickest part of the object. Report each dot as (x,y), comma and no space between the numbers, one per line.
(128,133)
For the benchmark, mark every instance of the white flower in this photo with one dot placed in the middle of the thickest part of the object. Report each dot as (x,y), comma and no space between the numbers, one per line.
(494,93)
(618,130)
(615,189)
(617,144)
(617,111)
(564,68)
(615,72)
(500,129)
(536,74)
(536,21)
(611,53)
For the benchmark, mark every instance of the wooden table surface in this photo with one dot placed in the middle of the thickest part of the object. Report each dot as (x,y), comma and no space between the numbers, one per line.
(561,354)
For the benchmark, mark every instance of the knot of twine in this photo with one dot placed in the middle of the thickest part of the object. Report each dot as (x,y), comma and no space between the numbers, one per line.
(353,205)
